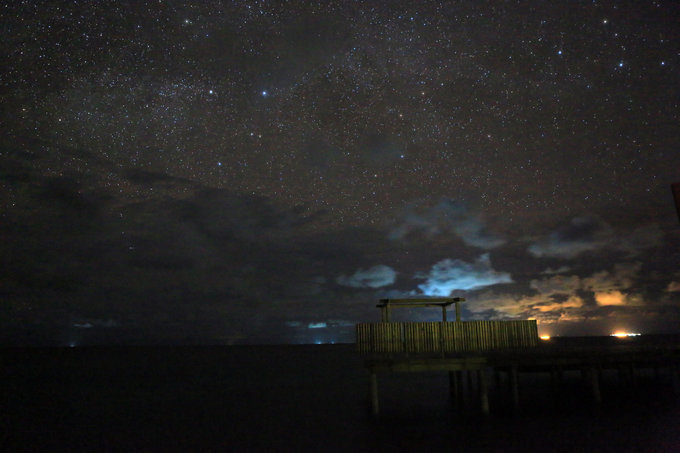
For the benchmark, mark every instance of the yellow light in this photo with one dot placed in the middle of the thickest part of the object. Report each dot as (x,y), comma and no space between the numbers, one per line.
(544,337)
(625,334)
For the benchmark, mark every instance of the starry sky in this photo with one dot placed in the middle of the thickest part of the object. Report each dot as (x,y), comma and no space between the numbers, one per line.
(265,171)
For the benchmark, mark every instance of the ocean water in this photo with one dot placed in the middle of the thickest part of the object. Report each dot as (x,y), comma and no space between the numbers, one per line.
(308,398)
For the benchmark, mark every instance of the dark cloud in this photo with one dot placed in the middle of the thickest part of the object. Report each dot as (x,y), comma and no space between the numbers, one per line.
(591,235)
(447,218)
(582,234)
(153,178)
(381,149)
(244,172)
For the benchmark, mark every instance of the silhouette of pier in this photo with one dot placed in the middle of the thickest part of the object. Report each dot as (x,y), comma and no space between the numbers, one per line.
(473,351)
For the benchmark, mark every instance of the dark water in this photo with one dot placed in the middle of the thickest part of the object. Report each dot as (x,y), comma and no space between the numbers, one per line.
(303,398)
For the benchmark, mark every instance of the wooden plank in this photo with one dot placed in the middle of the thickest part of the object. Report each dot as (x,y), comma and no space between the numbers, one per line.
(447,337)
(432,364)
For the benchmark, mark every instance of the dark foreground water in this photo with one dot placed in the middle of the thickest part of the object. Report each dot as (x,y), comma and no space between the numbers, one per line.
(303,399)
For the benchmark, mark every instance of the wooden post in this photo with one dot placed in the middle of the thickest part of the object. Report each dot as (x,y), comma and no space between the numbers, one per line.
(457,311)
(483,391)
(497,378)
(595,385)
(460,386)
(631,371)
(470,382)
(444,313)
(375,407)
(623,377)
(514,387)
(553,379)
(453,389)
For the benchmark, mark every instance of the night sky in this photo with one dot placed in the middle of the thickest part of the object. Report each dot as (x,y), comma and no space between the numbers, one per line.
(251,171)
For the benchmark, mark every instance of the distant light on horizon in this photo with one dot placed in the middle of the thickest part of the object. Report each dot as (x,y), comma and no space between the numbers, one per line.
(625,334)
(544,337)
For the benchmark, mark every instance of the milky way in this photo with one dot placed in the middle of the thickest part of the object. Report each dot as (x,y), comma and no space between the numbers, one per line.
(246,170)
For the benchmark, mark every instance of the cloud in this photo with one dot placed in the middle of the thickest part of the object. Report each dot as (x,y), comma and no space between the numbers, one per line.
(500,305)
(558,284)
(561,298)
(673,287)
(447,217)
(450,275)
(622,277)
(581,235)
(374,277)
(611,298)
(382,149)
(642,238)
(588,234)
(552,306)
(559,270)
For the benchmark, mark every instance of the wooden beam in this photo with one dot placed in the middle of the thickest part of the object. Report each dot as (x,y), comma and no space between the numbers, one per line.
(420,302)
(433,364)
(375,405)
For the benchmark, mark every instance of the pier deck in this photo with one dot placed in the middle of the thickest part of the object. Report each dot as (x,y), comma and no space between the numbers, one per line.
(590,356)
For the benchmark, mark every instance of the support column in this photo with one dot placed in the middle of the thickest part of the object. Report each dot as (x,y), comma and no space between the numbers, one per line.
(460,385)
(514,387)
(631,371)
(483,391)
(453,389)
(375,407)
(676,380)
(595,385)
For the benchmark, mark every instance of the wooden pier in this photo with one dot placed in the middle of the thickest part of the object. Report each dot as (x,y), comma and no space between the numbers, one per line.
(479,349)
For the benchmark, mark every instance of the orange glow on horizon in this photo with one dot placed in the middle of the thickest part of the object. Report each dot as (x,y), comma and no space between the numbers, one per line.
(620,334)
(544,337)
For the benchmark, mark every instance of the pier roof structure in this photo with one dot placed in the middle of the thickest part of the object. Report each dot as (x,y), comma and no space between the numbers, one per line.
(386,305)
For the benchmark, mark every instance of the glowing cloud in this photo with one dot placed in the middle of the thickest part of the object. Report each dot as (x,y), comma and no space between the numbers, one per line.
(374,277)
(450,275)
(673,287)
(610,298)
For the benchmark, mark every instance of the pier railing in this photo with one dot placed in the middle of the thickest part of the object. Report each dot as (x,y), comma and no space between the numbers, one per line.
(444,337)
